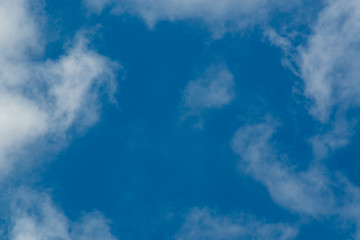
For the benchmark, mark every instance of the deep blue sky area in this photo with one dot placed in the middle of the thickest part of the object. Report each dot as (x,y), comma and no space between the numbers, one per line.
(142,165)
(229,122)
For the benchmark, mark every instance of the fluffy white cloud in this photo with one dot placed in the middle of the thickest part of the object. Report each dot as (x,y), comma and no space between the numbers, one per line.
(220,16)
(213,90)
(53,97)
(204,224)
(44,98)
(21,121)
(18,29)
(35,217)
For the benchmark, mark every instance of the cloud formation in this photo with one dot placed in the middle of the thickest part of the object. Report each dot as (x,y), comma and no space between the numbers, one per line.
(214,90)
(45,99)
(312,192)
(19,31)
(329,62)
(35,217)
(305,192)
(204,224)
(339,135)
(326,60)
(220,17)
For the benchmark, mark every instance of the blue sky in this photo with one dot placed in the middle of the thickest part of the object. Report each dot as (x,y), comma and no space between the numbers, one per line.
(183,120)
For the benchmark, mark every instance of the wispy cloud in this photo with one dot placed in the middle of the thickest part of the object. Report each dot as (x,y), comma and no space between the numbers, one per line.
(328,65)
(220,17)
(34,216)
(329,61)
(97,6)
(339,135)
(326,61)
(206,224)
(213,90)
(313,192)
(304,192)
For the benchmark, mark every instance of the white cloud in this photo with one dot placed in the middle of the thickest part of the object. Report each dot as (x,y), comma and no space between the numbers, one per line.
(21,121)
(97,6)
(313,192)
(204,224)
(53,97)
(220,16)
(329,66)
(18,29)
(304,192)
(73,83)
(214,90)
(44,98)
(337,137)
(33,216)
(329,62)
